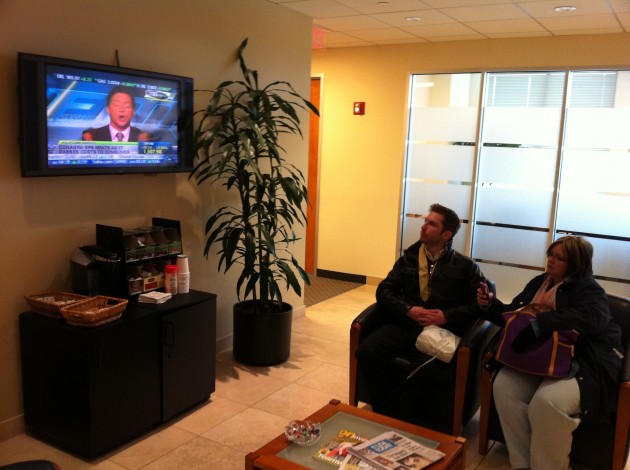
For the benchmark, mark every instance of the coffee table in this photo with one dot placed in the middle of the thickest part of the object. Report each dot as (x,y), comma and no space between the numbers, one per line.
(281,454)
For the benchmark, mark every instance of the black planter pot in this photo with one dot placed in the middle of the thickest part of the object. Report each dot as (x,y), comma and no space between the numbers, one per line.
(261,339)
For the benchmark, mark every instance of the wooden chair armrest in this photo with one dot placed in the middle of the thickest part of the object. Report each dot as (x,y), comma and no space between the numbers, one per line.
(366,322)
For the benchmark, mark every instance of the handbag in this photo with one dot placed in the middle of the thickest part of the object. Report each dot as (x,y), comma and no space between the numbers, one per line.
(547,357)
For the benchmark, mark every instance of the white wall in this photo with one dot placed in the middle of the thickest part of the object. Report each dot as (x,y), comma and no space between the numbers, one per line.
(43,219)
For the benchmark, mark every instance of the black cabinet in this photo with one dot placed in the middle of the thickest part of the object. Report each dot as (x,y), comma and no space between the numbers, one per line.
(188,350)
(89,390)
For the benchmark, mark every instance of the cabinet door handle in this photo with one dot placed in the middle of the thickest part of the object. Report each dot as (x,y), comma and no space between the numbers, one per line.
(170,334)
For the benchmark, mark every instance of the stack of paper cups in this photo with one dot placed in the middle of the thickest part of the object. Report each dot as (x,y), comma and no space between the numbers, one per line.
(183,274)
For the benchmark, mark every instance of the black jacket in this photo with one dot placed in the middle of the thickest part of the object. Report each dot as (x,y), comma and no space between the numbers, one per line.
(581,304)
(453,289)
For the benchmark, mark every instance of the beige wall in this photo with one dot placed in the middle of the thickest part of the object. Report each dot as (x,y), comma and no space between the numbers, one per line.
(362,157)
(44,219)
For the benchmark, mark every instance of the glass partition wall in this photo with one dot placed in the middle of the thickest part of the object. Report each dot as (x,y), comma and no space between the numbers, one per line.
(441,158)
(545,154)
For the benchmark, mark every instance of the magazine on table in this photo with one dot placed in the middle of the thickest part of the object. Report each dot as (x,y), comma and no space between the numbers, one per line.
(335,451)
(393,451)
(352,462)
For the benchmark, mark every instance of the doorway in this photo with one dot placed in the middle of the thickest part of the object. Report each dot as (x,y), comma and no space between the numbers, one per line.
(312,179)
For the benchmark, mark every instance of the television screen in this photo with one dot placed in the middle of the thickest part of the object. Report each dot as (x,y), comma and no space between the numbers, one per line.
(81,118)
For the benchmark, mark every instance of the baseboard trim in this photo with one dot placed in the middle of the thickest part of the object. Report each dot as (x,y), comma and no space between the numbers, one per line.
(11,427)
(357,278)
(373,281)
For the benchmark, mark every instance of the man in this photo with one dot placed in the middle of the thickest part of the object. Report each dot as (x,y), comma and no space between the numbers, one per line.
(430,284)
(120,107)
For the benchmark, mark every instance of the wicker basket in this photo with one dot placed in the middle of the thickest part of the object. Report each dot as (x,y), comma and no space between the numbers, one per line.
(51,303)
(94,311)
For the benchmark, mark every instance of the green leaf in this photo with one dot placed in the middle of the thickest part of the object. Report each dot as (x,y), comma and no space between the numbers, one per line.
(237,145)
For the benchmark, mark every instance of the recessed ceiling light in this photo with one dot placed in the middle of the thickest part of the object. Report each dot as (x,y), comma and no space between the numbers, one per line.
(565,8)
(413,18)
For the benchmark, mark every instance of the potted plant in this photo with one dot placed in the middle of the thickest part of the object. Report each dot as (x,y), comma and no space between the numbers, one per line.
(237,144)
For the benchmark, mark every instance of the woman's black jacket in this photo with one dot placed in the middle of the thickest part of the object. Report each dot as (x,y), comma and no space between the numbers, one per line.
(581,304)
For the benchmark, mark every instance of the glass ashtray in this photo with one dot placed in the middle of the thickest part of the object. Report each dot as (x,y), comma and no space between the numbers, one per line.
(303,433)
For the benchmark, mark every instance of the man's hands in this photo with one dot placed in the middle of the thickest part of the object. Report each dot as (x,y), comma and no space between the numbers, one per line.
(425,317)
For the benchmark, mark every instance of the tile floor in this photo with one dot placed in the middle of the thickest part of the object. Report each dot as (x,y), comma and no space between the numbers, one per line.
(251,405)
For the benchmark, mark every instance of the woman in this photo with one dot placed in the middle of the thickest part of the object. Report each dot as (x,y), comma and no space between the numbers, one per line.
(538,415)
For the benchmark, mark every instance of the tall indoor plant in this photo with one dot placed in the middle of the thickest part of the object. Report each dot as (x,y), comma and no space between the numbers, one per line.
(237,144)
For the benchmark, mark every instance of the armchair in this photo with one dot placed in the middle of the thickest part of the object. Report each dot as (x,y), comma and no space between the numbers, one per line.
(596,445)
(466,390)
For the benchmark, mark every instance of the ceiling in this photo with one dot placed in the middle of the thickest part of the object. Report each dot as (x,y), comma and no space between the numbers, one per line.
(351,23)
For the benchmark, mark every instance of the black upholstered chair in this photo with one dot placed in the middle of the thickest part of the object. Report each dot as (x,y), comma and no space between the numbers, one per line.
(465,385)
(596,444)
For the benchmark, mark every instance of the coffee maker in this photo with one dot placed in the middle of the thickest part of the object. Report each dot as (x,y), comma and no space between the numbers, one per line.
(95,271)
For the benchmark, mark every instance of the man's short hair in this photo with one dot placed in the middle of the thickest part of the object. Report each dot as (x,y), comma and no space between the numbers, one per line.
(121,89)
(450,220)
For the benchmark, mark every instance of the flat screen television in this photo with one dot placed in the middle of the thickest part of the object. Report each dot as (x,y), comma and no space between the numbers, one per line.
(71,113)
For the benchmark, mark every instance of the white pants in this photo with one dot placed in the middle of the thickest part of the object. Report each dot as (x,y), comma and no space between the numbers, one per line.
(538,417)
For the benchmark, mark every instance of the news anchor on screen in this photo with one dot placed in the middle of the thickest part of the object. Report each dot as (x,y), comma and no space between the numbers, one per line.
(120,107)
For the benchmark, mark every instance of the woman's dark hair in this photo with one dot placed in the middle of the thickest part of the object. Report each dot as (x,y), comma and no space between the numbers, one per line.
(579,255)
(450,220)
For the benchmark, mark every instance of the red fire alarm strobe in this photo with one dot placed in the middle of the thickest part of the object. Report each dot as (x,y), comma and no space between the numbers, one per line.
(359,108)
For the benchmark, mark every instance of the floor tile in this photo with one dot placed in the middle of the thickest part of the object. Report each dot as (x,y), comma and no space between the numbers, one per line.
(328,378)
(200,454)
(152,448)
(216,411)
(248,430)
(294,402)
(246,386)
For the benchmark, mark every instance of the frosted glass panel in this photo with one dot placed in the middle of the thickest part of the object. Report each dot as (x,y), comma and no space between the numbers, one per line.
(598,128)
(444,125)
(524,247)
(419,196)
(516,185)
(441,162)
(594,196)
(438,169)
(538,126)
(509,280)
(459,242)
(595,193)
(594,213)
(527,207)
(596,171)
(527,167)
(411,231)
(611,258)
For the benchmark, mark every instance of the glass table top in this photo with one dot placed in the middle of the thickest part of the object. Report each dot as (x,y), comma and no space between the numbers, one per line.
(304,455)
